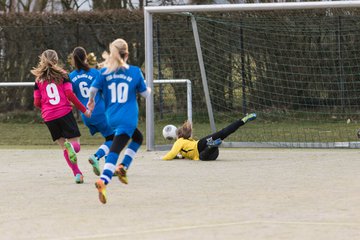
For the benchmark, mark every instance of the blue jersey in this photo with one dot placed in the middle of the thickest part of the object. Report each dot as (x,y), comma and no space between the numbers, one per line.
(119,90)
(81,82)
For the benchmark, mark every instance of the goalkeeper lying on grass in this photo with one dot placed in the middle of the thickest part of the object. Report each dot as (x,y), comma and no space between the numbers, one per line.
(207,148)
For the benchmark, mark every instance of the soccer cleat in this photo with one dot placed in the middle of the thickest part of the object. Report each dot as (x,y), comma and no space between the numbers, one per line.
(121,173)
(79,178)
(94,161)
(214,143)
(100,185)
(71,152)
(249,117)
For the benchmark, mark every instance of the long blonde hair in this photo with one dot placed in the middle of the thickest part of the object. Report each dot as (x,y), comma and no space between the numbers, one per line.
(185,131)
(117,57)
(48,69)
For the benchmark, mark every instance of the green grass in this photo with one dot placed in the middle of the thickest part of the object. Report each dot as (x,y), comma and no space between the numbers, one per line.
(22,134)
(290,131)
(37,134)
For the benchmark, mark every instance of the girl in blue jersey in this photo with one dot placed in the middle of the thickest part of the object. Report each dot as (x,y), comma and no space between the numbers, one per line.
(82,78)
(119,84)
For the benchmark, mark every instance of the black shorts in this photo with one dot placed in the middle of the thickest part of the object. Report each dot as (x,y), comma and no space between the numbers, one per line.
(65,127)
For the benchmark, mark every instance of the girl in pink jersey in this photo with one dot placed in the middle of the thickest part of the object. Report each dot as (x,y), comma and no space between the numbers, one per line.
(52,93)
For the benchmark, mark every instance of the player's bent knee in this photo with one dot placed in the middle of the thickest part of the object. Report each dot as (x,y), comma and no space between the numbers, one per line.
(110,138)
(137,137)
(119,143)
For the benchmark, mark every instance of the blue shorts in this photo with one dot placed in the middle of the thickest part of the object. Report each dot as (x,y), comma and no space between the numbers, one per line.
(98,123)
(125,130)
(101,127)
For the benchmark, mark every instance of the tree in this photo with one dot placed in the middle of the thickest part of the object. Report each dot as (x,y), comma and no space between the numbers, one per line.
(12,6)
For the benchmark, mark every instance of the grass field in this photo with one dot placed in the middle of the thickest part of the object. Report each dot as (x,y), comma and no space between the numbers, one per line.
(257,131)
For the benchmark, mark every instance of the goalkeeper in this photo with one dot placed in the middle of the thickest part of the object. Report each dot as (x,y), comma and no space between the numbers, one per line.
(207,148)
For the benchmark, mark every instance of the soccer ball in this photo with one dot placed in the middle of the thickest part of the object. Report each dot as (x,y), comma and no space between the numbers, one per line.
(169,132)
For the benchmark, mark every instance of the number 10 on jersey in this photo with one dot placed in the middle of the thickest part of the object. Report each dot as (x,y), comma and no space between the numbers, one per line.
(119,92)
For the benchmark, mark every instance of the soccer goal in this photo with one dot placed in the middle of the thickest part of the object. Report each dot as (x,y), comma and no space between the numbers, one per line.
(295,64)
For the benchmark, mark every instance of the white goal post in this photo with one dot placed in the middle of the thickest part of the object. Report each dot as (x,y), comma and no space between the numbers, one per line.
(149,13)
(16,84)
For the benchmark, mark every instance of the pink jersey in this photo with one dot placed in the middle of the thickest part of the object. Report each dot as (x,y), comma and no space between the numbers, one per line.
(54,103)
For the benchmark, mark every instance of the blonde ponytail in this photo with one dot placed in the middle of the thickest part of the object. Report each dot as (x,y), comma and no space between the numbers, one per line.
(117,56)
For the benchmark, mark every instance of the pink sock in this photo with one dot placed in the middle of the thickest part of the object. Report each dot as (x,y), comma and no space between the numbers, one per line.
(76,146)
(74,167)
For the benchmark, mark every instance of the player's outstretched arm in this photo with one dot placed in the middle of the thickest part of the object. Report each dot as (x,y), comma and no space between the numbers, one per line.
(91,103)
(172,154)
(146,93)
(72,98)
(88,113)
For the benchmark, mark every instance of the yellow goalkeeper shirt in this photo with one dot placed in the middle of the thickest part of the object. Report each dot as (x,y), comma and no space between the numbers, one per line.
(186,147)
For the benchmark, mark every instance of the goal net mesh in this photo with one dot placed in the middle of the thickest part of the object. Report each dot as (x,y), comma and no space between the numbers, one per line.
(297,69)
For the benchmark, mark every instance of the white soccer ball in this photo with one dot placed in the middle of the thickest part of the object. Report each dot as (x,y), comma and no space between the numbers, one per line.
(169,132)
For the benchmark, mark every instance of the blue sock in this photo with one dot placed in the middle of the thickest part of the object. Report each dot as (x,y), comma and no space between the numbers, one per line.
(103,149)
(130,154)
(109,167)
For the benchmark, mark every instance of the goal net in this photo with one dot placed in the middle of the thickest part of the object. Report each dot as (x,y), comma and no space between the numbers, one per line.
(295,64)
